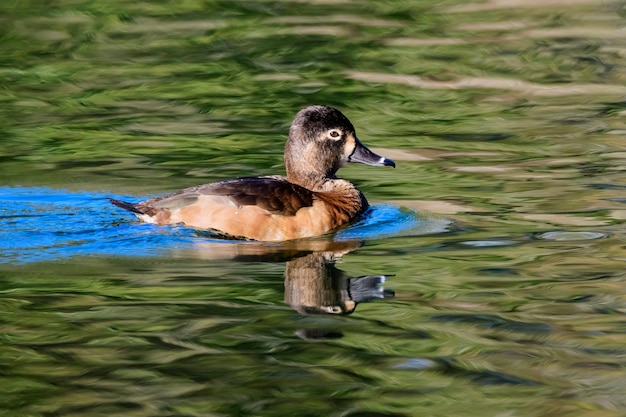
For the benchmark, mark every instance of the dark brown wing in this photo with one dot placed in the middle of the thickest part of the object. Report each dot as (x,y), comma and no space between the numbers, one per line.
(274,194)
(126,205)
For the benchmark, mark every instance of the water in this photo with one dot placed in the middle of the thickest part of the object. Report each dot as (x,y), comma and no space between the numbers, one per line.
(487,279)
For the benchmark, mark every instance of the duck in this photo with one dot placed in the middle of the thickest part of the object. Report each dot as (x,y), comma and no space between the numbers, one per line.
(309,201)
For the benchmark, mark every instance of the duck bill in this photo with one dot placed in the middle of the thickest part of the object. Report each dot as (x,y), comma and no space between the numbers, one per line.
(363,155)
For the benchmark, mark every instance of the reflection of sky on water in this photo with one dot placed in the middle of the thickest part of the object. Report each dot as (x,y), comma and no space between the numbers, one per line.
(45,224)
(385,220)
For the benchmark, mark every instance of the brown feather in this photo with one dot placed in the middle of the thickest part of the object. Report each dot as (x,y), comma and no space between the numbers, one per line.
(274,194)
(343,207)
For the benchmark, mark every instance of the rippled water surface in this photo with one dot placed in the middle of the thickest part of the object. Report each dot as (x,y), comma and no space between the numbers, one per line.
(487,279)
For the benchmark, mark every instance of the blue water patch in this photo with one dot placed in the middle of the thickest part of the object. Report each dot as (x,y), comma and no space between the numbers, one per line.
(386,220)
(40,224)
(43,224)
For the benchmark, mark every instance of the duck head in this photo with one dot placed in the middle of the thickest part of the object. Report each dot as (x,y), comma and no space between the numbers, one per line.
(322,140)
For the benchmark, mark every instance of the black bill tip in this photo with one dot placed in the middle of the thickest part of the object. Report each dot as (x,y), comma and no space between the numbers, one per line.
(388,163)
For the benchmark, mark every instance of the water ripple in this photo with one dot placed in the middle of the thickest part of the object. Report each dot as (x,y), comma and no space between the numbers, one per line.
(562,235)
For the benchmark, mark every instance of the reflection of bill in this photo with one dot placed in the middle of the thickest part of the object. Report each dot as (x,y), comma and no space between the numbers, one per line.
(314,285)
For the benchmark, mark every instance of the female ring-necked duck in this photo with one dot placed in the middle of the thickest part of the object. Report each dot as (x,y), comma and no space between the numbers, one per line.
(310,201)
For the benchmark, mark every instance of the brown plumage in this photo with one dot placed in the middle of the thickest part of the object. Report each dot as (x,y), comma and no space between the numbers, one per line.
(310,201)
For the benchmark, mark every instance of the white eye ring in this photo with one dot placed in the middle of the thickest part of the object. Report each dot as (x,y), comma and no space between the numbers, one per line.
(334,134)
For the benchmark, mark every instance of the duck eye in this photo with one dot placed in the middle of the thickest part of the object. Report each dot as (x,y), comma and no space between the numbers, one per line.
(334,134)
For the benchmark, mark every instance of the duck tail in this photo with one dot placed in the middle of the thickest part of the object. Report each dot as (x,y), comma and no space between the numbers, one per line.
(135,208)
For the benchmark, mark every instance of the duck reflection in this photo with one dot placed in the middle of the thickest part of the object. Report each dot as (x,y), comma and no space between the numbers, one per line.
(313,283)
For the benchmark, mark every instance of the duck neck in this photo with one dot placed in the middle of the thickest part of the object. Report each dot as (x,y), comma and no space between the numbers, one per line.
(338,192)
(311,181)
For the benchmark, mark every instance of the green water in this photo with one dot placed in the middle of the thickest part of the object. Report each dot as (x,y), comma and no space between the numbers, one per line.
(507,124)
